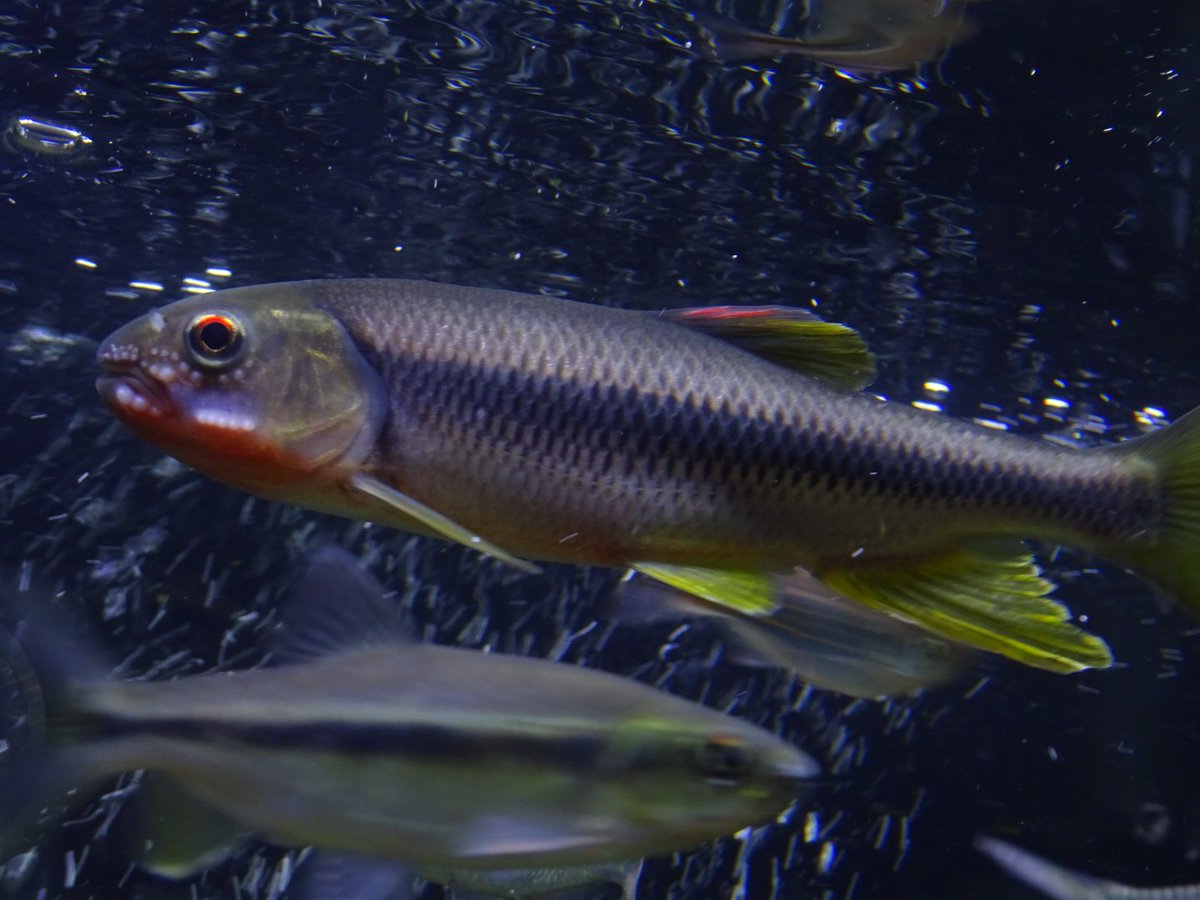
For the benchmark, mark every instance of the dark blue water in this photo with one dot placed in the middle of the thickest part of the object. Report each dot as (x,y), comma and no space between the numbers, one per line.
(1019,222)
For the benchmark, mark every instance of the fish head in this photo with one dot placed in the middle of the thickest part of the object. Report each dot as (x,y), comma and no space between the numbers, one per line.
(255,386)
(691,782)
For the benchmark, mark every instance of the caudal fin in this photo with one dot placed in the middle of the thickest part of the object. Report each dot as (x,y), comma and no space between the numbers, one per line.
(1170,556)
(39,667)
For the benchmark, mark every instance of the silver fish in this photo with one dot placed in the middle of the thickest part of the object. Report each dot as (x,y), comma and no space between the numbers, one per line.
(1066,884)
(435,756)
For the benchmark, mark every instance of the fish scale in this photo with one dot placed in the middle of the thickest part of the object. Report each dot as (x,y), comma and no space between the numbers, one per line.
(725,456)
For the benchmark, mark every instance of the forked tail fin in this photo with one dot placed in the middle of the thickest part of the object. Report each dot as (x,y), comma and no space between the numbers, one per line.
(1170,556)
(41,666)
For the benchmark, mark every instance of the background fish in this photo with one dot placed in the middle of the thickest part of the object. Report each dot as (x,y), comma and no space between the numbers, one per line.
(1064,884)
(690,444)
(430,755)
(858,36)
(828,640)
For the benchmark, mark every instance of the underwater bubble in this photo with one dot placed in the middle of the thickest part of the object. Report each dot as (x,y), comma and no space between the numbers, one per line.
(24,134)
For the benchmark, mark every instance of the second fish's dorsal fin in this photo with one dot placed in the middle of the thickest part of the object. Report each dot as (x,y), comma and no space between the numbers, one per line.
(991,596)
(333,604)
(790,337)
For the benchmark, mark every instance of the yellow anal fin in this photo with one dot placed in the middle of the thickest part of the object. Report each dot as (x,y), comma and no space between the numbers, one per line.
(749,592)
(990,596)
(435,521)
(793,338)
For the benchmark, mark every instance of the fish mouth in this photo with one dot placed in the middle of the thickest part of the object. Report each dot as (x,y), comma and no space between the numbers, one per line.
(806,769)
(130,392)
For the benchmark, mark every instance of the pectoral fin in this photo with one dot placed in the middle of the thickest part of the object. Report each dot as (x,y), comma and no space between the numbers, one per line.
(176,835)
(749,592)
(435,521)
(793,338)
(991,596)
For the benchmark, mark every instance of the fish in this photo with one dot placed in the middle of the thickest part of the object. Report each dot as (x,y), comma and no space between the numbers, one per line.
(346,877)
(862,36)
(707,447)
(828,640)
(1066,884)
(560,884)
(354,741)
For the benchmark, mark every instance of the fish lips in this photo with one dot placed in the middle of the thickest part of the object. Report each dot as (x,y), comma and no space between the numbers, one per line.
(130,393)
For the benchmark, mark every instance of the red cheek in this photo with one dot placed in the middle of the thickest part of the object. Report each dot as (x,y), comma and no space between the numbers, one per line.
(245,458)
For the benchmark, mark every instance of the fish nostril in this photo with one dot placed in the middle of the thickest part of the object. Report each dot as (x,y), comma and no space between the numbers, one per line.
(118,355)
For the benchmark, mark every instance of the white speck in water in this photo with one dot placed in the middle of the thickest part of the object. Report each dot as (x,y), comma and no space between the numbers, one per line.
(812,827)
(826,857)
(991,423)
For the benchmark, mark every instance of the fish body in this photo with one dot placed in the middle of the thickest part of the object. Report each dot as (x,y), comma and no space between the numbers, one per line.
(345,876)
(544,884)
(438,755)
(1062,883)
(435,756)
(863,36)
(546,429)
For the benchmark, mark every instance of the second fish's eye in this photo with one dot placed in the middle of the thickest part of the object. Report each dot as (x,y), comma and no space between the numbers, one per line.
(723,758)
(215,339)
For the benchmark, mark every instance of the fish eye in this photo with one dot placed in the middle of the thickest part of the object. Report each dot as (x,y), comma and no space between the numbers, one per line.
(215,339)
(723,758)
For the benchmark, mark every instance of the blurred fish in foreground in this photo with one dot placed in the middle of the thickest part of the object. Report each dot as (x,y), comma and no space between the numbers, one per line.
(1065,884)
(828,640)
(333,876)
(855,35)
(433,756)
(707,447)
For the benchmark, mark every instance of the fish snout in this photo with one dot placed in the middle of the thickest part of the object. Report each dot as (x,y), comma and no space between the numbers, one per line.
(135,377)
(802,771)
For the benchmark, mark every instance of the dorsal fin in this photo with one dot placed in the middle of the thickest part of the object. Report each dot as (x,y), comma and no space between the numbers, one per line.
(790,337)
(333,604)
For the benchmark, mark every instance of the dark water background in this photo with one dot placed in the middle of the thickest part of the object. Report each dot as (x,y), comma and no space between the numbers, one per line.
(1019,223)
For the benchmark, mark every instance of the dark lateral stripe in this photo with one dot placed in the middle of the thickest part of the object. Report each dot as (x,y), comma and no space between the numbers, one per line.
(420,742)
(623,430)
